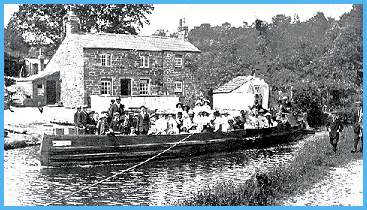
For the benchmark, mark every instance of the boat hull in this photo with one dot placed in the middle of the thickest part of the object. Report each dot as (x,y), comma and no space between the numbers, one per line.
(69,150)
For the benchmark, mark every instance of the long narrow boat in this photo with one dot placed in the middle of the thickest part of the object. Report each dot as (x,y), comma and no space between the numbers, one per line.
(69,150)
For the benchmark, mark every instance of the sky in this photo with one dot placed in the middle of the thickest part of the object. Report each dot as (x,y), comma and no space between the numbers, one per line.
(166,16)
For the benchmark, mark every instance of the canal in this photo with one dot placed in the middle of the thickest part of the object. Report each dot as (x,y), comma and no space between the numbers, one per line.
(26,183)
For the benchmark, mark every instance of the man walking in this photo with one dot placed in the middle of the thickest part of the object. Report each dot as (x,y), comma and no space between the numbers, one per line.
(335,126)
(358,126)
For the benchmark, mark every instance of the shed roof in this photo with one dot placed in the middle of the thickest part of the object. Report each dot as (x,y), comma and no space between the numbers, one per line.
(233,84)
(40,75)
(132,42)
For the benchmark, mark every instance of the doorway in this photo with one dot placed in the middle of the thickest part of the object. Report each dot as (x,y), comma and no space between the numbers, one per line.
(51,91)
(126,87)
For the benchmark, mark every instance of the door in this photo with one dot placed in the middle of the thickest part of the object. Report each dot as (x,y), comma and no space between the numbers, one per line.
(125,87)
(51,91)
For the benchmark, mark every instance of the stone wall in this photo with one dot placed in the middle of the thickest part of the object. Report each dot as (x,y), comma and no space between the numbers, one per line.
(69,60)
(162,103)
(161,73)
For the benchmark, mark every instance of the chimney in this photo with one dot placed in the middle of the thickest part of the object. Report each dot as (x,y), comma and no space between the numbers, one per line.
(71,22)
(183,30)
(41,60)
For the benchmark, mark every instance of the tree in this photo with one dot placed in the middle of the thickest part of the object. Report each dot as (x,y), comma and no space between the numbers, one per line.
(14,43)
(41,22)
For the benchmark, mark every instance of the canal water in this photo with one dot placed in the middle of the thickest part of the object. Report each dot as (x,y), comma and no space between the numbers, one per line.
(26,183)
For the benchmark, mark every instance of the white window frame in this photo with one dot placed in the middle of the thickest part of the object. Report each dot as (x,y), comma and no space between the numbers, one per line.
(108,89)
(106,59)
(144,90)
(257,89)
(178,61)
(40,90)
(143,61)
(177,88)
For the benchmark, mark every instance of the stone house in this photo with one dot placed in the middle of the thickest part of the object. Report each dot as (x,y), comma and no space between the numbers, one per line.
(95,67)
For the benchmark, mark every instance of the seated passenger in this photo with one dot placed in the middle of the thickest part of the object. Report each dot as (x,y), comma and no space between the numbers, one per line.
(179,108)
(161,124)
(197,110)
(115,125)
(206,106)
(263,121)
(188,124)
(132,131)
(286,106)
(185,113)
(179,120)
(124,119)
(225,125)
(257,106)
(237,123)
(217,122)
(102,125)
(143,121)
(172,125)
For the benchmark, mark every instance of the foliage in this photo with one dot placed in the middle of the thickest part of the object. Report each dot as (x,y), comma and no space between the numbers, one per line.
(307,99)
(288,54)
(12,65)
(43,23)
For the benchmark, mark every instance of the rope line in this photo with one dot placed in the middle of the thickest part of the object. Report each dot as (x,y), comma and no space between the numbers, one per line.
(121,172)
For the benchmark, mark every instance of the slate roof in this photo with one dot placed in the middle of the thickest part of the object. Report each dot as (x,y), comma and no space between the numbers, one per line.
(132,42)
(40,75)
(233,84)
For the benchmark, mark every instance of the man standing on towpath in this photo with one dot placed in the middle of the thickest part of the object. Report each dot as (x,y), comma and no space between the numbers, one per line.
(358,126)
(334,126)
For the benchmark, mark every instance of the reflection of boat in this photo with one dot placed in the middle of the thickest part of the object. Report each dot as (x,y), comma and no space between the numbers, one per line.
(62,150)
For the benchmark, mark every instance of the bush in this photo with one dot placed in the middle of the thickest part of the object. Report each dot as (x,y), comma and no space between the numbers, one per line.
(307,98)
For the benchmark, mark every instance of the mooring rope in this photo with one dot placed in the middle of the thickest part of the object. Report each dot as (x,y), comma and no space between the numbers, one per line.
(121,172)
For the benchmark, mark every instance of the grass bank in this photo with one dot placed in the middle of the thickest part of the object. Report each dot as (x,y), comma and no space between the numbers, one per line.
(311,165)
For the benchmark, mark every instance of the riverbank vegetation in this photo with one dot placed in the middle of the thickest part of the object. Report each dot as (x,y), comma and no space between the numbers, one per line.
(312,164)
(318,62)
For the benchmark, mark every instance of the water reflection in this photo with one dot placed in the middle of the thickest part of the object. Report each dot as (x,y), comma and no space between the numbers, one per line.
(154,183)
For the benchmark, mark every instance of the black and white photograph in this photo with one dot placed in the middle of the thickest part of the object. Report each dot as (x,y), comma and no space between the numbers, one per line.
(183,104)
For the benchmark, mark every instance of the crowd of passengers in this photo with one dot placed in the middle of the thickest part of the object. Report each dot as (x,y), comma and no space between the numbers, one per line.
(182,119)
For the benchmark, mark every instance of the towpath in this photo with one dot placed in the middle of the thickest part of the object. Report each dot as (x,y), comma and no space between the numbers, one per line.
(344,187)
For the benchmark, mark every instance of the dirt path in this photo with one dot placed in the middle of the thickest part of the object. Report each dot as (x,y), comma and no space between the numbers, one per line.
(344,187)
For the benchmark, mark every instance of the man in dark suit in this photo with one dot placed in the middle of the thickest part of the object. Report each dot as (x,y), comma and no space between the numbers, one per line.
(84,116)
(357,122)
(77,117)
(335,126)
(111,110)
(143,123)
(120,107)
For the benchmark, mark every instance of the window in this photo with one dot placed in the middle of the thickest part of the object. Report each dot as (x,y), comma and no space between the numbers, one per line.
(40,89)
(178,87)
(178,61)
(106,59)
(257,88)
(106,84)
(35,68)
(144,86)
(144,61)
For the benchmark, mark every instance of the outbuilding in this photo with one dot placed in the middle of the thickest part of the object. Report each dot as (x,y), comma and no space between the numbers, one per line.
(240,93)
